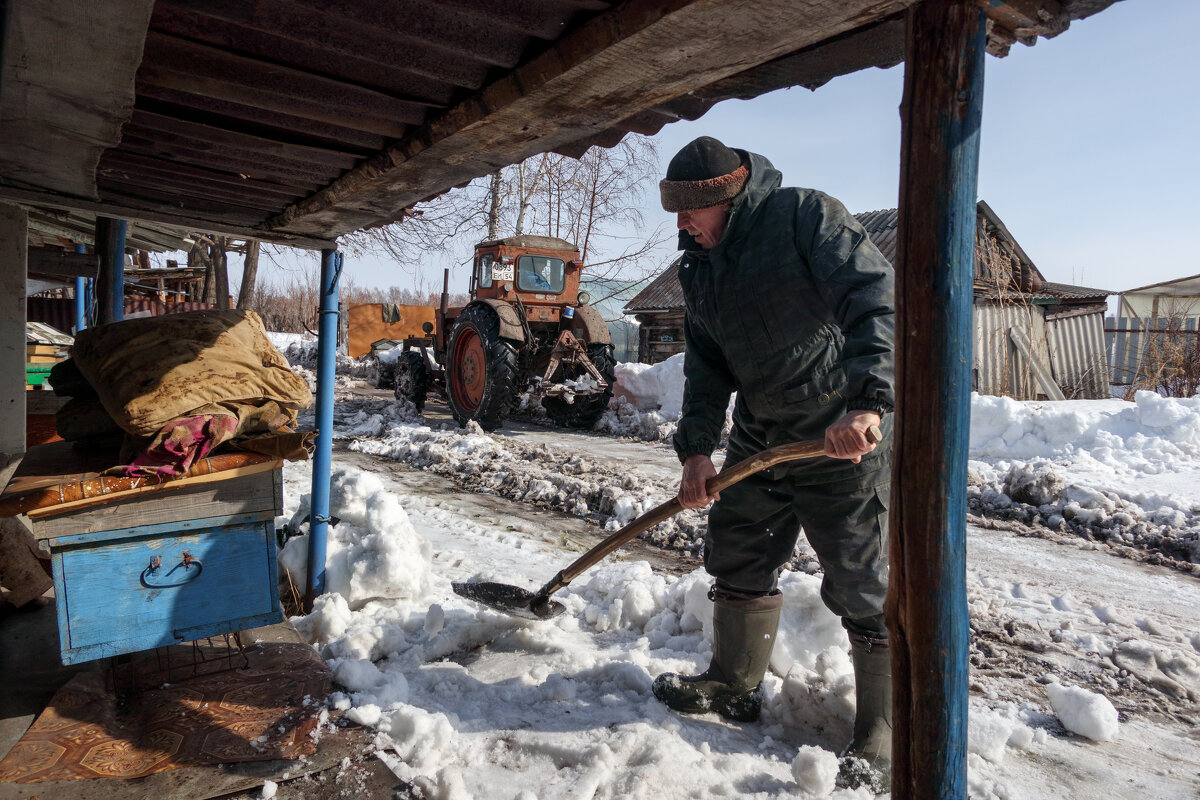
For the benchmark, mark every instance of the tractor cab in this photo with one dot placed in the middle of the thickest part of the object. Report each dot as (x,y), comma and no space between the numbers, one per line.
(526,330)
(536,270)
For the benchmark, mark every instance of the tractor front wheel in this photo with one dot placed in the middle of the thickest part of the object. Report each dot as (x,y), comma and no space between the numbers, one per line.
(481,369)
(586,409)
(412,378)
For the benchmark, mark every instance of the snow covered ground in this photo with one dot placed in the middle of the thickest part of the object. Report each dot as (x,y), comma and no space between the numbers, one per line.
(1082,587)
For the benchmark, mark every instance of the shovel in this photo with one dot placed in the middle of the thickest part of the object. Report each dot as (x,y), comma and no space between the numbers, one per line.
(537,605)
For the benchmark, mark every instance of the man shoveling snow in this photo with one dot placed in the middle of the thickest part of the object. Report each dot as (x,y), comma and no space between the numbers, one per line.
(789,303)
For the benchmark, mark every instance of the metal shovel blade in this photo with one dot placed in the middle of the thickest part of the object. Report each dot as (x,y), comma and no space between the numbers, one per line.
(510,599)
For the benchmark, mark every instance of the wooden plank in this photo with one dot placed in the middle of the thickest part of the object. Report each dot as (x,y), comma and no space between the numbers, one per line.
(201,153)
(212,72)
(118,162)
(241,140)
(60,263)
(192,222)
(284,32)
(174,101)
(154,188)
(1021,339)
(68,88)
(935,245)
(162,504)
(179,526)
(255,169)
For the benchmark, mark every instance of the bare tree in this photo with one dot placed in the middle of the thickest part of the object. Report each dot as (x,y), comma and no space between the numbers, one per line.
(495,199)
(249,275)
(593,201)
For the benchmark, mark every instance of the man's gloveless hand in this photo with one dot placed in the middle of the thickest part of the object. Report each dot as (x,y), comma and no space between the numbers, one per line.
(693,492)
(847,438)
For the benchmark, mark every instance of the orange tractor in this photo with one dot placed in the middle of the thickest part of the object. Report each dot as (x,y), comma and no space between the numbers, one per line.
(527,328)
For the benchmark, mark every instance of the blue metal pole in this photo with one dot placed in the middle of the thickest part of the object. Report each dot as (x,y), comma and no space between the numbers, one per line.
(318,526)
(941,118)
(80,296)
(89,300)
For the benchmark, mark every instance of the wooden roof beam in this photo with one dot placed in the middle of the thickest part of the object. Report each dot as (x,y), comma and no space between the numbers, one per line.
(640,55)
(163,214)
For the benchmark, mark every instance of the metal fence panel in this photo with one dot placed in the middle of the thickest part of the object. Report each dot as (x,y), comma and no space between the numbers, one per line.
(1078,355)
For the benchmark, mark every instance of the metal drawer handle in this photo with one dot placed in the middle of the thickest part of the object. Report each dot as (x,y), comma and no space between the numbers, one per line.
(186,563)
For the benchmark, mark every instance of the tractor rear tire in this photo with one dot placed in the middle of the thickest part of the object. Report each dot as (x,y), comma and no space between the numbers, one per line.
(586,409)
(412,378)
(481,369)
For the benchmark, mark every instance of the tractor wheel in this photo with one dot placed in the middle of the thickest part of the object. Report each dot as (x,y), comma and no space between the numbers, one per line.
(412,378)
(381,374)
(585,410)
(481,369)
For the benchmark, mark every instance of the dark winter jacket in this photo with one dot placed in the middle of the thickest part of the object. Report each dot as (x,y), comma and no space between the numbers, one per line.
(793,309)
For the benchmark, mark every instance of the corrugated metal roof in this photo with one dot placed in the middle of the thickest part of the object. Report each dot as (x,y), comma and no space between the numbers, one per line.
(1066,291)
(301,120)
(881,227)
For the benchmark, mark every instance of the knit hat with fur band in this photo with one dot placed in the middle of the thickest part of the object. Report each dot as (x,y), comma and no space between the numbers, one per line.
(704,173)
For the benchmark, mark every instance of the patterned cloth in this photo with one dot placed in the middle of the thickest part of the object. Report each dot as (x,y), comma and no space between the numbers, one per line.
(265,711)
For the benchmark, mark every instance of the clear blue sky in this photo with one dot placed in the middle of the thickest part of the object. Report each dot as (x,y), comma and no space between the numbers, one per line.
(1090,150)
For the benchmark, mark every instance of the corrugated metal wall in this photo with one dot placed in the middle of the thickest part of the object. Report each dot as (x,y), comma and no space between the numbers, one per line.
(999,368)
(1079,354)
(1071,345)
(57,312)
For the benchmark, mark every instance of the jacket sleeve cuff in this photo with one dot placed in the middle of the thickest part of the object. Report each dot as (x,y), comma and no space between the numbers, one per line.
(701,447)
(878,405)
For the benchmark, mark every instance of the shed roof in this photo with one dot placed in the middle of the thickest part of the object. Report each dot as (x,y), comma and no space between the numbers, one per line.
(298,121)
(1177,287)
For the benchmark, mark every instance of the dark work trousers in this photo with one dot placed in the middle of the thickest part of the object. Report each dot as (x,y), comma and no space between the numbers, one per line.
(752,533)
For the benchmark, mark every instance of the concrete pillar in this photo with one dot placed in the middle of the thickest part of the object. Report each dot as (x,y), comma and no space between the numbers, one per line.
(13,271)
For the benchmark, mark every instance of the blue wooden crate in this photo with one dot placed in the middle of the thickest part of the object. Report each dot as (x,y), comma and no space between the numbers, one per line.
(148,586)
(164,564)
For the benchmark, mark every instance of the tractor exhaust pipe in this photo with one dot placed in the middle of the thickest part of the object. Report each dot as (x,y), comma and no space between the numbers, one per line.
(441,328)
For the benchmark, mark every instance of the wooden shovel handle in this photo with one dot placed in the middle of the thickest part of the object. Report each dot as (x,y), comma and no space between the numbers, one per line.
(796,451)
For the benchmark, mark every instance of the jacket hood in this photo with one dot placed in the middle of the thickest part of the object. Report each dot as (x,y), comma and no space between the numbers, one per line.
(763,180)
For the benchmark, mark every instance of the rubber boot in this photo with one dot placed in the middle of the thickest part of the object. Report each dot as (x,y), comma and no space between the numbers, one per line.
(867,760)
(744,628)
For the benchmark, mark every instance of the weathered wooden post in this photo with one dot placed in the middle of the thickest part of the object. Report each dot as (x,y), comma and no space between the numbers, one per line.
(927,606)
(318,521)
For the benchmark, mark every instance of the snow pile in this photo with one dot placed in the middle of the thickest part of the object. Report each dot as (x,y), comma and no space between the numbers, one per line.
(653,387)
(992,731)
(283,340)
(815,771)
(648,400)
(300,350)
(1104,470)
(1152,435)
(1083,712)
(372,551)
